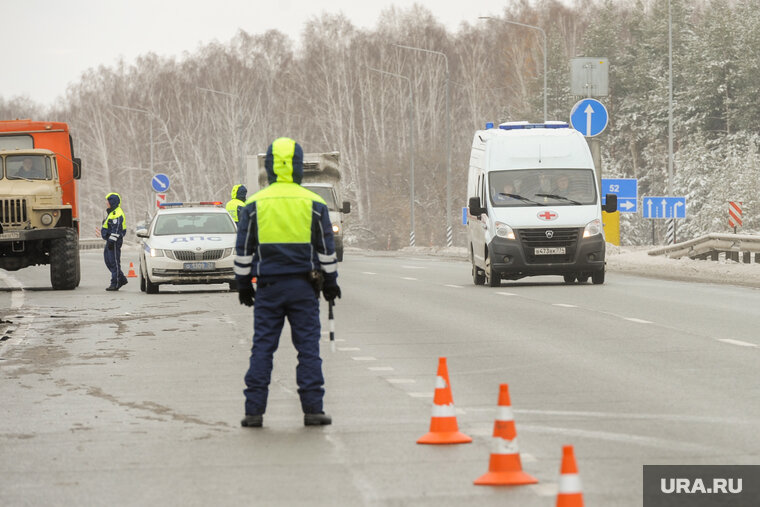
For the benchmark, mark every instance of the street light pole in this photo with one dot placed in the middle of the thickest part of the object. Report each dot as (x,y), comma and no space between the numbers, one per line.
(449,232)
(543,33)
(150,124)
(411,149)
(670,102)
(238,124)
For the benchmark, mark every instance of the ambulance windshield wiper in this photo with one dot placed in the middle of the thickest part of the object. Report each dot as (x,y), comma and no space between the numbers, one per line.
(561,197)
(521,198)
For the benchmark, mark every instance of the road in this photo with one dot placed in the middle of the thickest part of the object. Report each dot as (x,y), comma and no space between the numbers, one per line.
(133,399)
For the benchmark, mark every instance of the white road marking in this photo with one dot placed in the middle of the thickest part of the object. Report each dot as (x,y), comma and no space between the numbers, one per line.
(545,488)
(506,294)
(17,296)
(407,278)
(640,321)
(737,342)
(563,305)
(348,349)
(401,380)
(368,273)
(421,395)
(453,286)
(413,267)
(380,368)
(364,358)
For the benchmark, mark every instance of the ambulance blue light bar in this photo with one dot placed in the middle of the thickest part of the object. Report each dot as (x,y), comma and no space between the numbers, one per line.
(189,204)
(519,125)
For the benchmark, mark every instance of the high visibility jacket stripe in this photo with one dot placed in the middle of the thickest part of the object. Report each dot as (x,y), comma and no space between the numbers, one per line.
(330,268)
(242,271)
(244,259)
(569,483)
(327,258)
(444,410)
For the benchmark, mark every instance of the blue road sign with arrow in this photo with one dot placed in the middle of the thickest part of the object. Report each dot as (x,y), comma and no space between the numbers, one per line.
(663,207)
(589,117)
(627,190)
(160,182)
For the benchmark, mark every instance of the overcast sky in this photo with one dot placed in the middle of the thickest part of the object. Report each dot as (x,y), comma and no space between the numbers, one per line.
(47,44)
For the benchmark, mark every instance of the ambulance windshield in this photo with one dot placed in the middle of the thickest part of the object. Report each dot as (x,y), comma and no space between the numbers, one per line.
(541,187)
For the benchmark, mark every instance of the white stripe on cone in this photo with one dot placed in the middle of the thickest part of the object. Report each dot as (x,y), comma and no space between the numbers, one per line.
(570,483)
(444,410)
(505,414)
(505,446)
(440,383)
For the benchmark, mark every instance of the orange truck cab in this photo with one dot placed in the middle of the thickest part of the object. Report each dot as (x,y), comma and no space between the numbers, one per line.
(39,216)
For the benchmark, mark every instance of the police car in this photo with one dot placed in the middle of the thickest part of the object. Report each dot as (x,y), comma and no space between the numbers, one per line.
(188,243)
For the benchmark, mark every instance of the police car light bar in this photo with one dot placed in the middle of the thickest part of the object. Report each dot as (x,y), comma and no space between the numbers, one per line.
(189,204)
(517,125)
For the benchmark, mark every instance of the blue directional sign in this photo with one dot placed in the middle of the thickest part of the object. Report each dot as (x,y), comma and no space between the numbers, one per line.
(627,190)
(663,207)
(160,182)
(589,117)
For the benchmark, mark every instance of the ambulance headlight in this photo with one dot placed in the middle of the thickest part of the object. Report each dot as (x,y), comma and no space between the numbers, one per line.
(336,228)
(156,252)
(504,231)
(593,228)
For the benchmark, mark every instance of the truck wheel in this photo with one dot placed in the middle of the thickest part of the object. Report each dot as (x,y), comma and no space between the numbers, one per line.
(64,261)
(583,278)
(597,277)
(492,279)
(569,278)
(339,254)
(478,276)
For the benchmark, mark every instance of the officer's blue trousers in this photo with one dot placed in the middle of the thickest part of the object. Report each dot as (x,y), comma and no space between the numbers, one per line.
(113,262)
(295,299)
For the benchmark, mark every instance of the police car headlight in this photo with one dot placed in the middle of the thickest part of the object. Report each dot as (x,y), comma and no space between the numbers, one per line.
(336,228)
(46,219)
(227,252)
(504,231)
(593,228)
(156,252)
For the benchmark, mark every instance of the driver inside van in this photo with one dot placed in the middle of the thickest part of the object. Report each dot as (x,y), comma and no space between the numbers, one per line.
(508,190)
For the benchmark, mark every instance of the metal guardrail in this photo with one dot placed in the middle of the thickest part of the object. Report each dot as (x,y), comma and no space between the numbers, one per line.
(91,244)
(711,246)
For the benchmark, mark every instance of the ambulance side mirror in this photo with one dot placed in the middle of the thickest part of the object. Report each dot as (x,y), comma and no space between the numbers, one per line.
(611,205)
(346,207)
(475,207)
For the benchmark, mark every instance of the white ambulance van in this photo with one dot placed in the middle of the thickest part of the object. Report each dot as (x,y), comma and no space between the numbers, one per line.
(534,206)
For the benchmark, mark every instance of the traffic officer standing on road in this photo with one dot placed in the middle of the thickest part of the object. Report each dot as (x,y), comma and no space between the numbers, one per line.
(234,205)
(113,230)
(285,240)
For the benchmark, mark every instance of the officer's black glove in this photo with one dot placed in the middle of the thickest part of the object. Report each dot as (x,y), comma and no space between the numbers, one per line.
(246,294)
(111,245)
(331,292)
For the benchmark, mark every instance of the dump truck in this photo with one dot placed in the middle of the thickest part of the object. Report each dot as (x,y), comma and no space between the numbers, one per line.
(321,175)
(39,219)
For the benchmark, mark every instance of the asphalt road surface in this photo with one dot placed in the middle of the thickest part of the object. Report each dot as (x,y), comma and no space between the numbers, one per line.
(134,399)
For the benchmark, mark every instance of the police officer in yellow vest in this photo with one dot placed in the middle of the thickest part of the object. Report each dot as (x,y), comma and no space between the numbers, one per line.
(285,240)
(113,230)
(233,206)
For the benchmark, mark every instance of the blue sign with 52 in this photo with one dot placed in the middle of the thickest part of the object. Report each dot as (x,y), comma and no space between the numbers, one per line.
(627,190)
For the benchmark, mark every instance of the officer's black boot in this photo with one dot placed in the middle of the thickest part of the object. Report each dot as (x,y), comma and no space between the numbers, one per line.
(320,419)
(112,287)
(252,421)
(123,281)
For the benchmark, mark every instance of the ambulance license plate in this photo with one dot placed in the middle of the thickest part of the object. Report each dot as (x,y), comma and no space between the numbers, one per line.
(199,266)
(560,250)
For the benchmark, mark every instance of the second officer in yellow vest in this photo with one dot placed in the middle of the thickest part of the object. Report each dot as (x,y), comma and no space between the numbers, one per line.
(285,240)
(113,230)
(233,206)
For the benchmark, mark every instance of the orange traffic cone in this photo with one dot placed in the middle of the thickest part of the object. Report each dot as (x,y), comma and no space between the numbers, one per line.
(131,273)
(443,423)
(504,467)
(570,494)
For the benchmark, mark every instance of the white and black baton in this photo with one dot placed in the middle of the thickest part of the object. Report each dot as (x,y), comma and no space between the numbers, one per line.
(330,317)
